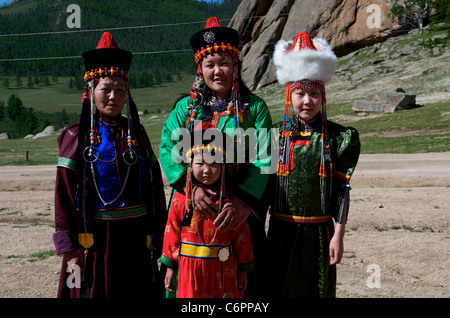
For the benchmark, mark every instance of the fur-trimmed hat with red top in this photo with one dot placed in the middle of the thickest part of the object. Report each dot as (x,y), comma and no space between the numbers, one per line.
(303,63)
(304,58)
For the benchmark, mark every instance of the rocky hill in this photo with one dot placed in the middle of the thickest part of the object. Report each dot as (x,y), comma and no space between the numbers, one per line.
(415,62)
(347,25)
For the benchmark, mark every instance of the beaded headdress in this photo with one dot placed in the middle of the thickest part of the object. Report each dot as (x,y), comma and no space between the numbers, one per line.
(214,38)
(303,63)
(215,147)
(107,60)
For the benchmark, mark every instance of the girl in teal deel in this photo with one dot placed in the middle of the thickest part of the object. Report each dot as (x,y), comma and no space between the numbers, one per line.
(317,158)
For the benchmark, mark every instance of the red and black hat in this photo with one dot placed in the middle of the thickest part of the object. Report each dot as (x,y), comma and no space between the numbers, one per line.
(214,38)
(107,59)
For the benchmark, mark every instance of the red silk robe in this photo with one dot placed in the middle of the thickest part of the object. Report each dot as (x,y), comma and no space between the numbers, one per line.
(201,274)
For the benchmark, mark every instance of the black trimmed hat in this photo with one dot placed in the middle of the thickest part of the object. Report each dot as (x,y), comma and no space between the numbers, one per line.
(107,59)
(214,38)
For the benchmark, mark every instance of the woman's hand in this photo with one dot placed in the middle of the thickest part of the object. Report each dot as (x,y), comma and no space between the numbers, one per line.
(74,258)
(233,214)
(202,202)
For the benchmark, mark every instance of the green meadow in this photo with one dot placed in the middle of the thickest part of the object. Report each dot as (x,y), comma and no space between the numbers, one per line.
(156,102)
(422,129)
(54,97)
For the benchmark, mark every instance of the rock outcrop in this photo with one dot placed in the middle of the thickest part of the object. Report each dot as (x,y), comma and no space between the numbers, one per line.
(49,130)
(385,102)
(347,25)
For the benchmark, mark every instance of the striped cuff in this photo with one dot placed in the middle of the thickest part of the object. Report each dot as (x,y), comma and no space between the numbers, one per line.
(168,262)
(246,267)
(66,163)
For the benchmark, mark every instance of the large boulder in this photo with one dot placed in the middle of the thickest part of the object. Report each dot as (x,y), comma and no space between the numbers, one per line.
(346,24)
(49,130)
(260,24)
(385,102)
(4,136)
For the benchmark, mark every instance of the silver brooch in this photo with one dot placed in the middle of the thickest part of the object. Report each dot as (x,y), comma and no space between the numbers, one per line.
(224,254)
(209,37)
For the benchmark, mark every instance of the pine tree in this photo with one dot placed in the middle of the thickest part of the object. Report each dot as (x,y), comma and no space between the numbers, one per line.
(29,82)
(26,123)
(14,108)
(18,81)
(2,110)
(5,82)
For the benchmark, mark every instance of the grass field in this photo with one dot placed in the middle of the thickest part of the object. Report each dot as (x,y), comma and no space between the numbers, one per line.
(423,129)
(417,130)
(56,96)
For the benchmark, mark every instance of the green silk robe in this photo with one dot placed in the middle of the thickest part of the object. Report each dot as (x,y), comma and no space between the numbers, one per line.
(255,175)
(252,177)
(299,235)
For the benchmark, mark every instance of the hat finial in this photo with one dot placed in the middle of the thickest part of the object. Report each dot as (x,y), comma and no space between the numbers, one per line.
(303,41)
(212,22)
(107,42)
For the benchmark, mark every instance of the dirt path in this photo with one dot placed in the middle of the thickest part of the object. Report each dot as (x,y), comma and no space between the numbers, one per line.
(397,241)
(398,228)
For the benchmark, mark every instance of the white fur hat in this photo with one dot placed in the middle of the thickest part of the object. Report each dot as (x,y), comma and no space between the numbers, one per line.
(304,58)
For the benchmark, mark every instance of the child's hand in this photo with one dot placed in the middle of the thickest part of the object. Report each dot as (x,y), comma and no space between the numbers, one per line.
(168,280)
(242,281)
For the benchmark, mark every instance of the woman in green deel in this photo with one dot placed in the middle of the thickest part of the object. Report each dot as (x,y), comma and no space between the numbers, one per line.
(219,96)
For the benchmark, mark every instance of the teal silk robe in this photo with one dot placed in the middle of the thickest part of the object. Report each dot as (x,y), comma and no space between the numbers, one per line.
(252,177)
(299,235)
(253,174)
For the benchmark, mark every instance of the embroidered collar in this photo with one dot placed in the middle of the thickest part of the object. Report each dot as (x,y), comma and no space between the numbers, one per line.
(314,125)
(118,121)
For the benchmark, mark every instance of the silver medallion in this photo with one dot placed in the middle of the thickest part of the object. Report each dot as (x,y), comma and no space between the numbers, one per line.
(209,37)
(224,254)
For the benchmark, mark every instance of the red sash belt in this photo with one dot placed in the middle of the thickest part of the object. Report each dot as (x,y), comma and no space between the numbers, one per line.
(301,219)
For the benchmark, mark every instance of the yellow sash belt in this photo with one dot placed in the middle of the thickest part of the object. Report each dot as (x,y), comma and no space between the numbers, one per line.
(202,251)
